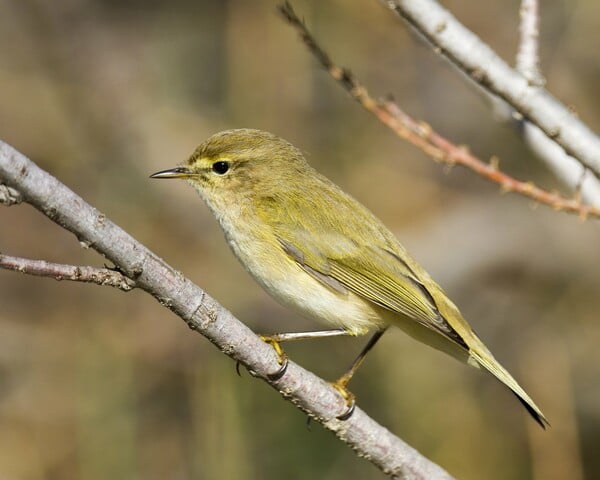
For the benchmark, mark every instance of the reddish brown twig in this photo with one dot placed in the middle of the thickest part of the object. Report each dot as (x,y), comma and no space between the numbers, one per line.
(424,137)
(58,271)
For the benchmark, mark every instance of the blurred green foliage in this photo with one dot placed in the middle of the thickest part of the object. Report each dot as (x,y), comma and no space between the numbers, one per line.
(98,384)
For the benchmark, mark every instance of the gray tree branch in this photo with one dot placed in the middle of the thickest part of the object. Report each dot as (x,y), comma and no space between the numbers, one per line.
(568,170)
(59,271)
(528,55)
(203,314)
(476,59)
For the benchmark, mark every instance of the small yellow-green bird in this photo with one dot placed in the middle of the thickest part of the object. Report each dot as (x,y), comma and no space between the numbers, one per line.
(315,248)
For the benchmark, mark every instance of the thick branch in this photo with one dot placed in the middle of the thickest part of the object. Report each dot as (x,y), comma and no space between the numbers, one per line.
(203,314)
(424,137)
(464,49)
(58,271)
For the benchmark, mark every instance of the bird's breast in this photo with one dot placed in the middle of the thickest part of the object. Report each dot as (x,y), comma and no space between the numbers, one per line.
(263,257)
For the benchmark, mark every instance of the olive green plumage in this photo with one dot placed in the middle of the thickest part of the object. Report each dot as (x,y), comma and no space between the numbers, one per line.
(315,248)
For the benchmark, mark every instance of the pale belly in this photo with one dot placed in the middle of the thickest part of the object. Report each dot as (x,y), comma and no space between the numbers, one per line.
(292,286)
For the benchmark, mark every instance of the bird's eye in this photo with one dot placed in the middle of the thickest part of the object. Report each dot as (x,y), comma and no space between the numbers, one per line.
(220,168)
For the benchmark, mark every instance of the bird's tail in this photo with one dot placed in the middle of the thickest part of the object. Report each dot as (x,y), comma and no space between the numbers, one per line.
(484,358)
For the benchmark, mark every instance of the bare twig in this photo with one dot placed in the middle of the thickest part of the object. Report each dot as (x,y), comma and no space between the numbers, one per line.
(528,56)
(424,137)
(203,314)
(58,271)
(464,49)
(9,196)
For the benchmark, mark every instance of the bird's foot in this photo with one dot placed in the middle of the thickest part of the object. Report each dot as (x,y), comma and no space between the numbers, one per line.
(347,395)
(282,358)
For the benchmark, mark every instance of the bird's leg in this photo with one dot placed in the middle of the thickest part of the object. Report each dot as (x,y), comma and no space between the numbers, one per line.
(341,383)
(275,339)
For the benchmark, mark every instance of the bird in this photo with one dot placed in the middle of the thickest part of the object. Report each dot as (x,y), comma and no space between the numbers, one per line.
(316,249)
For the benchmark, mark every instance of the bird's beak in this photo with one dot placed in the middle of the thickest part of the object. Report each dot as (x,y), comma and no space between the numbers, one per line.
(177,172)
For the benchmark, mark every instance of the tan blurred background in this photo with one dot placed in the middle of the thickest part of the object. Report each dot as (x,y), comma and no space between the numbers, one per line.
(98,384)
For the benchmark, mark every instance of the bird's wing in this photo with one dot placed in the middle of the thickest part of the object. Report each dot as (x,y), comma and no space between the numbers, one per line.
(375,273)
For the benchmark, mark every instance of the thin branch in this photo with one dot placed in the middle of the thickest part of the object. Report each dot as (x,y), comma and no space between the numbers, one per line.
(9,196)
(528,56)
(203,314)
(464,49)
(424,137)
(58,271)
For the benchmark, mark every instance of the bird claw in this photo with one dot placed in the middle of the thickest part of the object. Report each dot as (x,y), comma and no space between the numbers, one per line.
(279,373)
(350,399)
(282,358)
(348,412)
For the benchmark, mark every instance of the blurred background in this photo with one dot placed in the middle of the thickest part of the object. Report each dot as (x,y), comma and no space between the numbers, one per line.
(98,384)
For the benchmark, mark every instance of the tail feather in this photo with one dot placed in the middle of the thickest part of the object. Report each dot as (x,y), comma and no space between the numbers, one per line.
(486,360)
(534,412)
